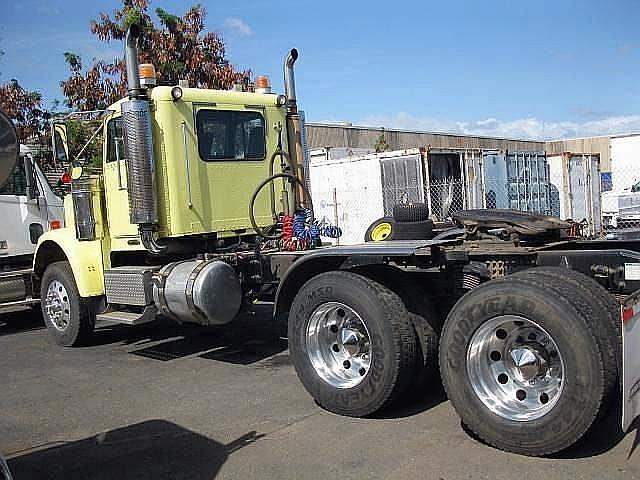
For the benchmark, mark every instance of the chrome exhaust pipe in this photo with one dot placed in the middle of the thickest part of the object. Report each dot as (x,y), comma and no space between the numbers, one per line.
(290,81)
(138,142)
(131,61)
(294,130)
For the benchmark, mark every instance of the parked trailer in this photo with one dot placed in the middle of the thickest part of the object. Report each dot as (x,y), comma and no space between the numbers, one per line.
(454,180)
(517,180)
(575,178)
(353,191)
(519,317)
(621,205)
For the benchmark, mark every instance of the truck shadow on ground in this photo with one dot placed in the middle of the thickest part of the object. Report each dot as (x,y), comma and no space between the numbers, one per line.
(249,339)
(149,450)
(21,321)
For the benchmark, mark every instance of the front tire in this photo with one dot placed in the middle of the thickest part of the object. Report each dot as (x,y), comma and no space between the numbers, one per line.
(68,316)
(352,343)
(522,366)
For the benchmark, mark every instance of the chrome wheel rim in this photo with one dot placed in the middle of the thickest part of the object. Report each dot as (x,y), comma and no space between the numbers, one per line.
(515,368)
(339,345)
(57,306)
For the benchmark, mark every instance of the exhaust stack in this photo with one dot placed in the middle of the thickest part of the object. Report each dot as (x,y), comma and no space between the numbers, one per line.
(138,140)
(290,80)
(131,61)
(294,129)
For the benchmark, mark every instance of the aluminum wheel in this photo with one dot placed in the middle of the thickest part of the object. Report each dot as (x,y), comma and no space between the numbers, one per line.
(515,368)
(339,345)
(56,305)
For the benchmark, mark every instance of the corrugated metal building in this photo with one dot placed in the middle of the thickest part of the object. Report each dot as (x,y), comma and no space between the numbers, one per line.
(346,135)
(327,135)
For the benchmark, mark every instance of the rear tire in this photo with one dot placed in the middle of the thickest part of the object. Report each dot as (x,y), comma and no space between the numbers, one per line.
(516,320)
(68,316)
(427,322)
(599,309)
(342,377)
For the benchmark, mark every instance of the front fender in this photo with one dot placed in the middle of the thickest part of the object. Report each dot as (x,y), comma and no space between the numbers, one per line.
(84,257)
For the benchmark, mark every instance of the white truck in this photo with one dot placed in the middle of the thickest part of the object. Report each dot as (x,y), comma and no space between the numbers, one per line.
(28,208)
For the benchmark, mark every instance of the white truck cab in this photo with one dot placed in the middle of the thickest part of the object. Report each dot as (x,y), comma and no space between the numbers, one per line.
(28,208)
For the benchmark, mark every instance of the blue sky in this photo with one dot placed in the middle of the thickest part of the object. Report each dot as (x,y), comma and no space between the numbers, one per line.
(544,69)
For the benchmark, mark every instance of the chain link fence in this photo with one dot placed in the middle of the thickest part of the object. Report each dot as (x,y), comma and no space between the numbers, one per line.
(569,186)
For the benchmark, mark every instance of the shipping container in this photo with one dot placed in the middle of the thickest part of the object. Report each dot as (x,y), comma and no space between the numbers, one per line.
(453,180)
(460,179)
(353,191)
(402,179)
(517,180)
(621,205)
(576,179)
(336,153)
(625,162)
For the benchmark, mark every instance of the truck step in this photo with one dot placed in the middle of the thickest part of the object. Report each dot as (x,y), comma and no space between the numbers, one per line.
(126,318)
(15,273)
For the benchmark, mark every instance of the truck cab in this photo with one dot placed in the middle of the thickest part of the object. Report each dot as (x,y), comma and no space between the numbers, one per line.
(29,207)
(172,211)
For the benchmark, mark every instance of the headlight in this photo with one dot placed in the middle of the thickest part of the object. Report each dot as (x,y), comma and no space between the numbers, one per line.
(282,100)
(176,93)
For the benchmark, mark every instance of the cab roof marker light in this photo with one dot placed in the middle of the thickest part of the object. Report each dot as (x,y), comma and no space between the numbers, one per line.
(262,84)
(147,74)
(176,93)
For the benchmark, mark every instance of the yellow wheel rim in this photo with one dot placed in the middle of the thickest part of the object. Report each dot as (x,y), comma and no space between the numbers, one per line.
(381,231)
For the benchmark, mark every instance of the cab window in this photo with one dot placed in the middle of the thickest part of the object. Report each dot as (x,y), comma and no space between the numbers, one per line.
(115,140)
(17,183)
(230,135)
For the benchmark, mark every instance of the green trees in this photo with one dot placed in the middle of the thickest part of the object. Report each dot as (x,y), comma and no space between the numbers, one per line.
(177,46)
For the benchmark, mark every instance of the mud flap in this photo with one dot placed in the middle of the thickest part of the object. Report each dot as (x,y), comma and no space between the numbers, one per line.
(630,314)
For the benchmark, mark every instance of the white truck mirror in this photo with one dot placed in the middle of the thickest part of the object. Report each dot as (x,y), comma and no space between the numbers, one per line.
(59,143)
(9,148)
(32,180)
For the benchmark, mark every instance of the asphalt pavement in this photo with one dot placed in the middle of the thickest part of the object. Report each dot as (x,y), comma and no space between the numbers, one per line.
(179,402)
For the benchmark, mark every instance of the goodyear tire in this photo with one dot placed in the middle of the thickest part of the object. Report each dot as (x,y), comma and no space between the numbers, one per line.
(68,316)
(410,212)
(352,343)
(380,230)
(517,357)
(426,321)
(599,308)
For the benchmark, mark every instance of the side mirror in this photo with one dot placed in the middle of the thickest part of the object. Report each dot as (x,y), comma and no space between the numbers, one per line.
(9,149)
(32,178)
(59,143)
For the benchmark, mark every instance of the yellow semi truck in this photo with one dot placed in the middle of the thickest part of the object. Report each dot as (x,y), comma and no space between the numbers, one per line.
(200,208)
